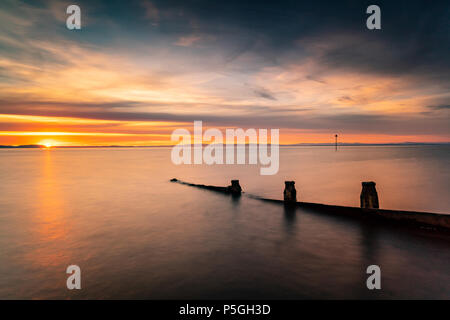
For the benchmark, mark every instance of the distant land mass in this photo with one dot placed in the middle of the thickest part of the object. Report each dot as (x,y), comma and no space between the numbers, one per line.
(23,146)
(369,144)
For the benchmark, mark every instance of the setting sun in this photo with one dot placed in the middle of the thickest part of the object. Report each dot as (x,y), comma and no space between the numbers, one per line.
(47,143)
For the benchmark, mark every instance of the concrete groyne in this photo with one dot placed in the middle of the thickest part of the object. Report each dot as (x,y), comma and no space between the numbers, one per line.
(233,189)
(369,205)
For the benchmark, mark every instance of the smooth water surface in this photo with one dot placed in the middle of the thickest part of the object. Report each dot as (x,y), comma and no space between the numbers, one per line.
(113,212)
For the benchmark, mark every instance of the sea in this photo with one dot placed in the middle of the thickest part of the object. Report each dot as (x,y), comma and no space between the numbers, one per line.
(135,235)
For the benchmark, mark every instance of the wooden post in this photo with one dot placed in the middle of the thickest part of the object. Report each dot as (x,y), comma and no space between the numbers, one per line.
(235,188)
(369,196)
(290,194)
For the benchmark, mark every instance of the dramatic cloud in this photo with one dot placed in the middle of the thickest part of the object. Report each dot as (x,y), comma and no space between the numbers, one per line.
(138,69)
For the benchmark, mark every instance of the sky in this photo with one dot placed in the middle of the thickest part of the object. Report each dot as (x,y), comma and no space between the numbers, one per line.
(138,70)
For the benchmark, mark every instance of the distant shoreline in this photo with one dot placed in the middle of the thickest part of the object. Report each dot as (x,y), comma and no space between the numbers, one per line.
(36,146)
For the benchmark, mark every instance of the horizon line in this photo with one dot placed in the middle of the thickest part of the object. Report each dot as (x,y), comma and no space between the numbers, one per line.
(39,146)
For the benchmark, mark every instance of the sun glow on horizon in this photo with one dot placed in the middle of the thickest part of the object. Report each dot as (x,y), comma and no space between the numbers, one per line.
(48,143)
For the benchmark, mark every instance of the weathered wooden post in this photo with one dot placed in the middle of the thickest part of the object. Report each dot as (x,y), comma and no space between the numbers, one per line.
(290,194)
(369,196)
(235,188)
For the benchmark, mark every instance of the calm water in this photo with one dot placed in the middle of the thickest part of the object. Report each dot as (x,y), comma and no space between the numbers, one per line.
(134,234)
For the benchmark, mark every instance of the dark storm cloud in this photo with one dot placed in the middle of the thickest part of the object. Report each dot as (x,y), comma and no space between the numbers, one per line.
(414,40)
(415,35)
